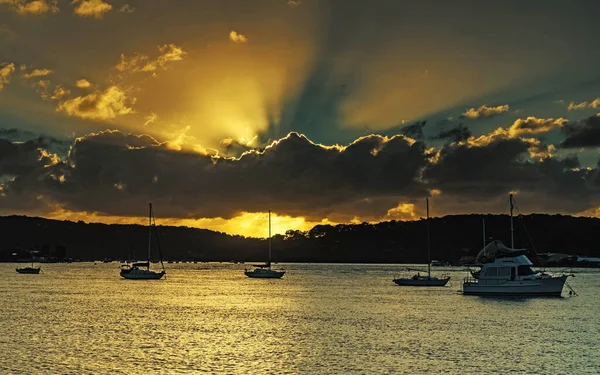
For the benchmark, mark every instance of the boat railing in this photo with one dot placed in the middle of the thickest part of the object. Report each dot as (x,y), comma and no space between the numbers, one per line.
(471,280)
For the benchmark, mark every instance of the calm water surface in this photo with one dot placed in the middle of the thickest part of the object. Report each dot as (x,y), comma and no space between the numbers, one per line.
(319,319)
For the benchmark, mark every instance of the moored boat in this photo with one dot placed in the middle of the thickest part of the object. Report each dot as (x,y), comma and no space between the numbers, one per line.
(141,270)
(264,271)
(29,270)
(507,271)
(417,279)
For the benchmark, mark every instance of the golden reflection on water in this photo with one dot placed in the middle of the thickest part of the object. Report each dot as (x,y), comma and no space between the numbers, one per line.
(344,319)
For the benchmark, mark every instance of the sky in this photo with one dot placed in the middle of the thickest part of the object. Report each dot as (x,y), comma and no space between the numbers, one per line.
(324,112)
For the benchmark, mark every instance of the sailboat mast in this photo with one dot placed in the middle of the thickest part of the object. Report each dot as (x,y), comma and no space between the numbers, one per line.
(149,232)
(483,219)
(269,238)
(428,241)
(512,234)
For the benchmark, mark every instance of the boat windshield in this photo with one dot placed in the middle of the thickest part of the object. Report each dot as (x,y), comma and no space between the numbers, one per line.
(525,271)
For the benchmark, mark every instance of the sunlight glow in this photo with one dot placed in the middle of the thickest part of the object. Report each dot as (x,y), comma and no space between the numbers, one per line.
(248,224)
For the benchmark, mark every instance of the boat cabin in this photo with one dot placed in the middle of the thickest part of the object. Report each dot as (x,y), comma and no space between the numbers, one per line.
(508,268)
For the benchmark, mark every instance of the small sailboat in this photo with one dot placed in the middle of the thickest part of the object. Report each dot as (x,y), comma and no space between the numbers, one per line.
(29,270)
(141,270)
(507,271)
(264,271)
(422,280)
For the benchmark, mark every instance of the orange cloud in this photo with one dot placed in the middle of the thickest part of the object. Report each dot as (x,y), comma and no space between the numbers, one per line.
(32,7)
(6,70)
(38,73)
(583,105)
(404,211)
(485,111)
(100,105)
(83,83)
(142,63)
(92,8)
(533,125)
(152,117)
(237,38)
(59,93)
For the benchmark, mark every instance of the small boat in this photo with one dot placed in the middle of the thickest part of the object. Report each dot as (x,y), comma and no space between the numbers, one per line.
(141,270)
(29,270)
(422,280)
(264,271)
(436,263)
(507,271)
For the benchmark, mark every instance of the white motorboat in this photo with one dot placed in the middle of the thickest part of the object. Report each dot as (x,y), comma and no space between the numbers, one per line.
(507,271)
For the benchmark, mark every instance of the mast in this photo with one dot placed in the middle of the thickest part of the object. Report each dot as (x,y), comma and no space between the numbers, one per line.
(269,238)
(483,231)
(512,234)
(428,241)
(157,244)
(149,232)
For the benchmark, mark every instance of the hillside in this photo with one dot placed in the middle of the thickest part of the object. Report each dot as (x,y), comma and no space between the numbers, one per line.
(451,238)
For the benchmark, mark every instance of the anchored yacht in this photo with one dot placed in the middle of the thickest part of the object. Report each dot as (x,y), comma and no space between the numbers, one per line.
(507,271)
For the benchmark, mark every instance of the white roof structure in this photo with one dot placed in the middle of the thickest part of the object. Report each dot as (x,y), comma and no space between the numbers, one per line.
(496,249)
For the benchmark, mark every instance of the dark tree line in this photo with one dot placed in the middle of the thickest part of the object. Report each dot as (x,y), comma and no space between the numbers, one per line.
(452,237)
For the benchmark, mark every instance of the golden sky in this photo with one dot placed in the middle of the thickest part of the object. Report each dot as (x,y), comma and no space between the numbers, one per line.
(108,104)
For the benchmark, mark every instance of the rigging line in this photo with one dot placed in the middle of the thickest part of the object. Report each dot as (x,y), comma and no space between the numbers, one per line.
(527,232)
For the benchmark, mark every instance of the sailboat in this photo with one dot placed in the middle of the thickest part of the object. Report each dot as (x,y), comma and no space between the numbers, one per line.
(507,271)
(264,271)
(422,280)
(29,270)
(141,270)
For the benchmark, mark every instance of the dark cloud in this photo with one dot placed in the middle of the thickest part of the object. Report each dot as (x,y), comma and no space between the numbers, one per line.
(14,132)
(415,130)
(233,147)
(482,172)
(456,134)
(585,133)
(21,158)
(117,174)
(372,178)
(47,142)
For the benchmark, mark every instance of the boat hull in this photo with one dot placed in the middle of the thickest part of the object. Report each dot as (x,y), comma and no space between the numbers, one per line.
(141,275)
(265,274)
(29,270)
(422,282)
(538,287)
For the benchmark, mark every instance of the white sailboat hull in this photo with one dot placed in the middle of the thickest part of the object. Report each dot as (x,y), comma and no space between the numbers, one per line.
(264,274)
(422,281)
(138,274)
(551,286)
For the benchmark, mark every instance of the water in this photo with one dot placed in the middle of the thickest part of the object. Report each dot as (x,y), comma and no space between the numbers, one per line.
(319,319)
